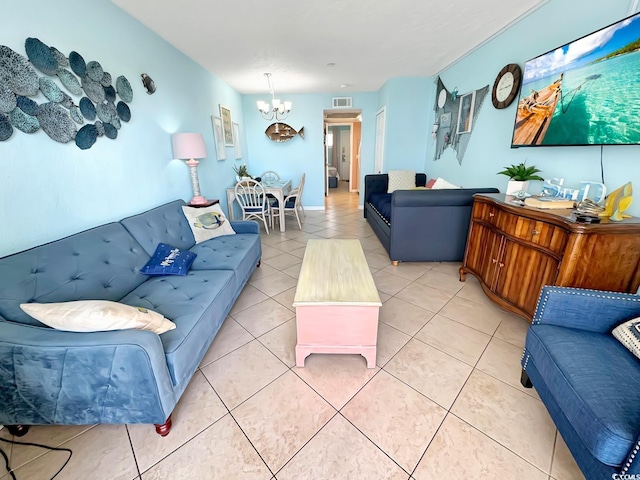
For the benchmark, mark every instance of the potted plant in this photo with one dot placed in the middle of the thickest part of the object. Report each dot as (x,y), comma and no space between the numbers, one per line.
(519,177)
(242,173)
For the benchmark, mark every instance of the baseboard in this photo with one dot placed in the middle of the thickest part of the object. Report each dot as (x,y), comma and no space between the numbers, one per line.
(319,207)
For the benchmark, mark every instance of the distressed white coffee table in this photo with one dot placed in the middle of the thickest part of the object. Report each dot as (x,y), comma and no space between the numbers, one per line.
(337,303)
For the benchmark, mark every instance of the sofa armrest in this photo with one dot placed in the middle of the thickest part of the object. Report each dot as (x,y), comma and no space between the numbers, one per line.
(592,310)
(52,376)
(245,226)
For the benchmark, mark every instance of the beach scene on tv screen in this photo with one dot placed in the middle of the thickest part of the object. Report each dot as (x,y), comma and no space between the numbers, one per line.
(586,92)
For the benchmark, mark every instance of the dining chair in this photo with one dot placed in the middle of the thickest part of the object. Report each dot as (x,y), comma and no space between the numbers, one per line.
(253,201)
(292,204)
(269,175)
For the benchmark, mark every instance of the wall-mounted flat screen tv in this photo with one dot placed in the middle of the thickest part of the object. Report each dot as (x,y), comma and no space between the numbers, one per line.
(586,92)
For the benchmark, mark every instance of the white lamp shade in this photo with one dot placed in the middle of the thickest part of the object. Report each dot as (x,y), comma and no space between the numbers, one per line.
(188,146)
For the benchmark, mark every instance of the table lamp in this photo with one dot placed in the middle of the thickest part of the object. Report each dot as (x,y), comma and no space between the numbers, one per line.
(190,146)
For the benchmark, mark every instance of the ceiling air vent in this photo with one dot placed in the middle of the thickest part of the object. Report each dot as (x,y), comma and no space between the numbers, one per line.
(341,102)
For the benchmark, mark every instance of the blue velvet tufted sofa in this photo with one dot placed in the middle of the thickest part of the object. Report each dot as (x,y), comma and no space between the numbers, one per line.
(589,382)
(419,225)
(49,376)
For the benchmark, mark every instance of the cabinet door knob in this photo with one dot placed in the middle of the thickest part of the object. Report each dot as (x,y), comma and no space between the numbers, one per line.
(535,232)
(495,260)
(492,214)
(501,264)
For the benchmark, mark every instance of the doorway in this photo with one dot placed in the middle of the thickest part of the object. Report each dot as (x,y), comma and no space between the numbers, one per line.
(342,150)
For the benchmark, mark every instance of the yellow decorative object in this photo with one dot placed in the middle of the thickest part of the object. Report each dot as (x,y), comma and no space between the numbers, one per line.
(617,202)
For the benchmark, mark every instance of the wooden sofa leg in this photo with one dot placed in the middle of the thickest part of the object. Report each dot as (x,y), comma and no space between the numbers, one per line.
(395,263)
(525,380)
(163,430)
(18,430)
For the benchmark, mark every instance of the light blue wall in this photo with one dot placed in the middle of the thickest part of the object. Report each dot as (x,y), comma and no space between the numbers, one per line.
(407,102)
(49,190)
(304,155)
(556,23)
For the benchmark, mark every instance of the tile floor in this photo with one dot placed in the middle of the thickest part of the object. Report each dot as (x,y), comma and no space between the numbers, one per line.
(443,402)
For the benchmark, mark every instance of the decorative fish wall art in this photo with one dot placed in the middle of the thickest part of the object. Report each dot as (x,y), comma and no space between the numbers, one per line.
(60,114)
(281,132)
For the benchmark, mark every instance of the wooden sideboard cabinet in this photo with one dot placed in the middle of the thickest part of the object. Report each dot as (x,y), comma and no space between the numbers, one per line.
(514,251)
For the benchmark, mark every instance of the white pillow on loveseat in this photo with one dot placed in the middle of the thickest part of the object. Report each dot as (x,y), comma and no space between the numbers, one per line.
(401,180)
(442,184)
(97,316)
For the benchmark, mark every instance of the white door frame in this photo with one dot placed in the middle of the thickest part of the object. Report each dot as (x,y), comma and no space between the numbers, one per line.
(381,130)
(350,125)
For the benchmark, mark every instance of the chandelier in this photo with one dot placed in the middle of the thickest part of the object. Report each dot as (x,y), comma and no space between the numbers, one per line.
(278,110)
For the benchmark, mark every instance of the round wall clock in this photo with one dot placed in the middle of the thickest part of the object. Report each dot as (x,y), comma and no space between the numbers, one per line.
(506,86)
(442,98)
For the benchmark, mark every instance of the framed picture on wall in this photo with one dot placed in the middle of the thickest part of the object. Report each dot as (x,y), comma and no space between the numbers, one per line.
(237,144)
(465,112)
(227,125)
(218,136)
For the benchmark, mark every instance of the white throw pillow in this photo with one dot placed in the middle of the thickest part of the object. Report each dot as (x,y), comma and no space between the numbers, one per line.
(97,316)
(401,180)
(628,334)
(209,222)
(442,184)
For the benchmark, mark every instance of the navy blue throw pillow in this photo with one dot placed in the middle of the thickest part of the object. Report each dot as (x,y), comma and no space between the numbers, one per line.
(168,260)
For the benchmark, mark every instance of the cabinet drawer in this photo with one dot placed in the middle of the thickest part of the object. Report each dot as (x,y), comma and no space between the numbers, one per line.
(533,231)
(485,212)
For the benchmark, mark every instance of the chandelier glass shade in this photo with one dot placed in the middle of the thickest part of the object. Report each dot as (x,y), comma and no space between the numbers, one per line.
(276,110)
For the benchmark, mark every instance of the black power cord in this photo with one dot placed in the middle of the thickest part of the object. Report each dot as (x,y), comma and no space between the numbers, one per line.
(13,442)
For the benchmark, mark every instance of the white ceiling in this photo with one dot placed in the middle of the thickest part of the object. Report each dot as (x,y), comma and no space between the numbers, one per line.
(369,41)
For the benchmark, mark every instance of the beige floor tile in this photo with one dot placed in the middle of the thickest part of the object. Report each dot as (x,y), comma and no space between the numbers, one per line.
(262,271)
(298,252)
(513,329)
(282,417)
(336,377)
(249,296)
(286,298)
(389,283)
(433,373)
(221,452)
(460,451)
(441,280)
(269,252)
(452,268)
(282,261)
(473,291)
(294,270)
(243,372)
(340,451)
(230,336)
(409,270)
(274,283)
(100,453)
(502,361)
(370,243)
(512,418)
(288,245)
(52,435)
(273,238)
(564,467)
(377,260)
(404,316)
(403,432)
(390,341)
(456,339)
(383,296)
(281,341)
(262,317)
(485,318)
(328,233)
(312,227)
(424,296)
(198,408)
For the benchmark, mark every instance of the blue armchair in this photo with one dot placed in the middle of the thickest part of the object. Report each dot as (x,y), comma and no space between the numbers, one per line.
(588,381)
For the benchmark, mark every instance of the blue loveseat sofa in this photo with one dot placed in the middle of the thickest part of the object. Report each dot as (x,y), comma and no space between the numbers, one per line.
(589,382)
(50,376)
(419,225)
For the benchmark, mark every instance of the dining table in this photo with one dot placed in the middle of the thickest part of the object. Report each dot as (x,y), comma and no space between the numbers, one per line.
(278,188)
